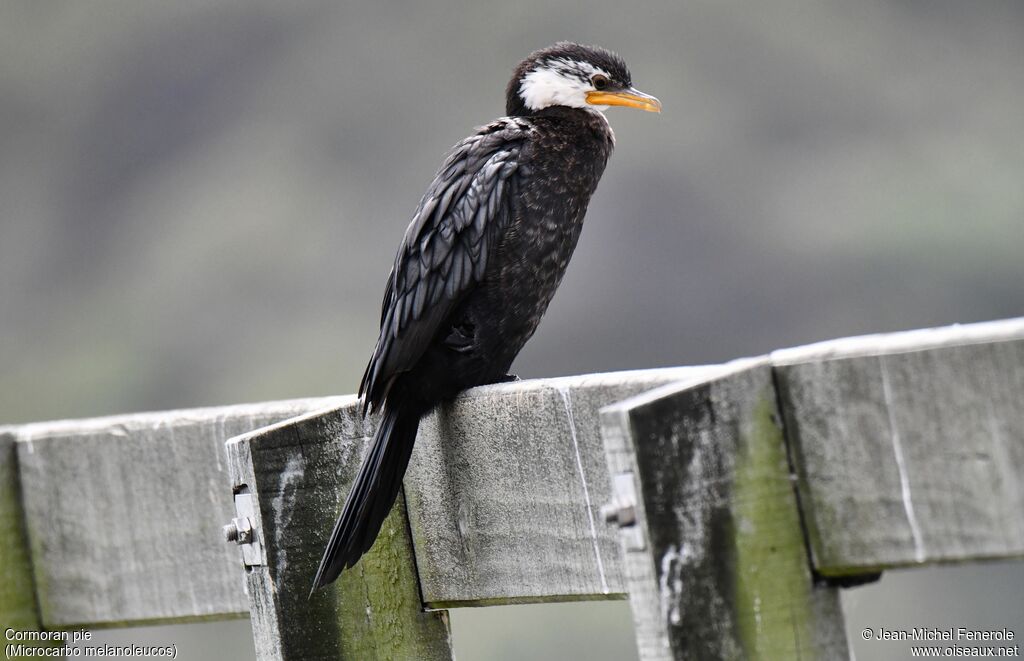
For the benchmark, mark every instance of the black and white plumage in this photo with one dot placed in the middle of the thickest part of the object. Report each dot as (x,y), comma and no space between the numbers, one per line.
(479,263)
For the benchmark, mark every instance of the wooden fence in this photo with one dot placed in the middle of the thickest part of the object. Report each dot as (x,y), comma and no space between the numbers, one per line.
(728,502)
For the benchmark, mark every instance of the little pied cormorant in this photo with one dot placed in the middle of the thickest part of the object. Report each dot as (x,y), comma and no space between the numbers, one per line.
(479,263)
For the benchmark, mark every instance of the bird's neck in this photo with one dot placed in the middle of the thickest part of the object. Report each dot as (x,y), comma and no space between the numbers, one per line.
(567,112)
(515,106)
(585,119)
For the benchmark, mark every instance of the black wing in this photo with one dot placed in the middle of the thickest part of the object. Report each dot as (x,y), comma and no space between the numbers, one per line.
(445,249)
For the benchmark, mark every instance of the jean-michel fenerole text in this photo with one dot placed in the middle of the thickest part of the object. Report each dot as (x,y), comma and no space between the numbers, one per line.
(952,633)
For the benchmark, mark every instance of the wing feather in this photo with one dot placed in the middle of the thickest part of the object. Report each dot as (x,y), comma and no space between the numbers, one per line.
(445,249)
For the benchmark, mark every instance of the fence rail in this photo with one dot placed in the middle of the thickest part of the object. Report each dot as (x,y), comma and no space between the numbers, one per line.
(735,492)
(123,513)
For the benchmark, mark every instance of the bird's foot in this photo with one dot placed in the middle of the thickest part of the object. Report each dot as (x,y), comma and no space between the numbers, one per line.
(508,378)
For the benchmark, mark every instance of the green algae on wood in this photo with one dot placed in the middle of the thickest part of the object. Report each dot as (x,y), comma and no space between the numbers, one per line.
(18,609)
(772,579)
(298,474)
(379,608)
(723,572)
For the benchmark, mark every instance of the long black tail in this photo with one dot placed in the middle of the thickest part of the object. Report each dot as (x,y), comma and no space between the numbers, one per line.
(373,493)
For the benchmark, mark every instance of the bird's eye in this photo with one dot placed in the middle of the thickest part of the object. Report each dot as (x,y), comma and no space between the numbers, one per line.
(600,82)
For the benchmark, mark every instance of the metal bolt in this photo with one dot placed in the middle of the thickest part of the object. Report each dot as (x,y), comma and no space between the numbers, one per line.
(622,510)
(619,514)
(239,531)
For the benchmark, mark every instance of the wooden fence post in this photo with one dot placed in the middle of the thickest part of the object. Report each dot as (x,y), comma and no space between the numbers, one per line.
(18,608)
(289,481)
(714,554)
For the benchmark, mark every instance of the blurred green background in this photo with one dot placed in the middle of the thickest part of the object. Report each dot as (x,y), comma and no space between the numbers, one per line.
(199,204)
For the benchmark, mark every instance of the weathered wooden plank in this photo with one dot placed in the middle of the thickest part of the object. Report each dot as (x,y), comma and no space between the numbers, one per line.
(17,593)
(716,563)
(124,513)
(909,447)
(18,611)
(504,489)
(297,474)
(921,339)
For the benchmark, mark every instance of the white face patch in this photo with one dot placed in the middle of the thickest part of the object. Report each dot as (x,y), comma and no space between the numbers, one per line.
(560,82)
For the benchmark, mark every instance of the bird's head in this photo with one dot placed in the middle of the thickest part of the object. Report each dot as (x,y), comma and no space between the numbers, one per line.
(576,76)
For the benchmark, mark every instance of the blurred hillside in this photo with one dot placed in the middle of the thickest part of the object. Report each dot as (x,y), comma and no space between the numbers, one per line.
(199,202)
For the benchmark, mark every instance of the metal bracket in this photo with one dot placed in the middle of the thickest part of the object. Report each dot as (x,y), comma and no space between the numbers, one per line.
(242,531)
(622,511)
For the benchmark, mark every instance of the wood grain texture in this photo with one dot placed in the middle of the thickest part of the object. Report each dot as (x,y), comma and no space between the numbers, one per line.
(910,456)
(298,473)
(722,572)
(124,513)
(504,489)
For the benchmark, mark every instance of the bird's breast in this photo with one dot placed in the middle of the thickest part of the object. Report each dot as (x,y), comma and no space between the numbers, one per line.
(560,173)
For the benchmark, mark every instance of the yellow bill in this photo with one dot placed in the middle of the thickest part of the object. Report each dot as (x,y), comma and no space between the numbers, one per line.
(631,98)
